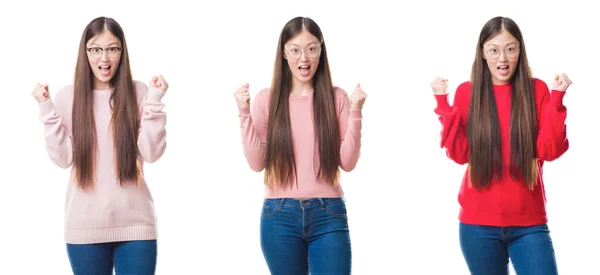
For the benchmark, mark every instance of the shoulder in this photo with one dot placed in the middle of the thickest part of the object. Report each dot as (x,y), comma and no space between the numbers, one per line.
(341,98)
(541,91)
(63,100)
(540,86)
(464,88)
(537,81)
(264,92)
(261,100)
(140,88)
(65,90)
(463,92)
(64,94)
(263,96)
(339,93)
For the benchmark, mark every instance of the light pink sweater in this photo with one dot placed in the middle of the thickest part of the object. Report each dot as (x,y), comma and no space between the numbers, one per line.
(110,212)
(254,136)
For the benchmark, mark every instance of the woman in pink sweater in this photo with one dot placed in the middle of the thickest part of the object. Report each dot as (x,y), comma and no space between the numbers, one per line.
(301,131)
(105,126)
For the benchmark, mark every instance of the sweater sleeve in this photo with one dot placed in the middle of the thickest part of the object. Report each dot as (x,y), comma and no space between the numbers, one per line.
(152,133)
(350,125)
(59,144)
(454,133)
(254,131)
(552,141)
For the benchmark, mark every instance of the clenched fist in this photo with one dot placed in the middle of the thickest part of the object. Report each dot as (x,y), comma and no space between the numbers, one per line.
(439,86)
(159,82)
(561,83)
(242,95)
(41,93)
(357,99)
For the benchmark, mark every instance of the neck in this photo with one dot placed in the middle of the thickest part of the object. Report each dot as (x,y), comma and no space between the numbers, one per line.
(302,89)
(99,85)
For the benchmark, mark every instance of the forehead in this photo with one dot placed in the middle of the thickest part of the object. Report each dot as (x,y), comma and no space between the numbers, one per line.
(302,39)
(502,39)
(105,38)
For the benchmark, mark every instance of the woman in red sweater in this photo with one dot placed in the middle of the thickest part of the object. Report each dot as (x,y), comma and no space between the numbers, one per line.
(504,124)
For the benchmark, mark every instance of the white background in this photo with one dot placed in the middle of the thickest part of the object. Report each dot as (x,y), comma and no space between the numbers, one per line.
(401,198)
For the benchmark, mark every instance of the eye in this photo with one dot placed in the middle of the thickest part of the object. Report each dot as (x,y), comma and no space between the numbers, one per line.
(294,50)
(95,50)
(493,50)
(113,49)
(312,49)
(510,50)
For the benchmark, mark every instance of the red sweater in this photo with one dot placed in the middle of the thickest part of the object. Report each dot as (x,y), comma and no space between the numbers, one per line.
(507,202)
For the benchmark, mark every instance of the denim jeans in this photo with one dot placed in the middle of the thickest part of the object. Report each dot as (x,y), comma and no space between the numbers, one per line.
(302,236)
(487,249)
(127,258)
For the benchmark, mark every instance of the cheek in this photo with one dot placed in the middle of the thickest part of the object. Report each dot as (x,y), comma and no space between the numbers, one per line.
(315,65)
(115,64)
(491,64)
(292,64)
(514,63)
(92,63)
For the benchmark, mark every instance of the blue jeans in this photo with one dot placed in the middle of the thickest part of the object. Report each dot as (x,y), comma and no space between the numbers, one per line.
(298,236)
(487,249)
(127,258)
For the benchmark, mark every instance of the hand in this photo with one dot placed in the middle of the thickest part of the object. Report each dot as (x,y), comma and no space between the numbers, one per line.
(357,99)
(561,83)
(41,93)
(242,95)
(159,82)
(439,86)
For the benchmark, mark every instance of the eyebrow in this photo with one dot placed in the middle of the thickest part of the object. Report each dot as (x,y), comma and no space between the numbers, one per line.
(506,44)
(292,44)
(113,43)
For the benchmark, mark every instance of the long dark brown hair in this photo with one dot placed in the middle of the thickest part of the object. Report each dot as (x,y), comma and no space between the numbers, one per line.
(483,131)
(123,102)
(280,168)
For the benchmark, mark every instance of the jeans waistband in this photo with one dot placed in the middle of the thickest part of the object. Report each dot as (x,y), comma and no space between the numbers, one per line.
(304,204)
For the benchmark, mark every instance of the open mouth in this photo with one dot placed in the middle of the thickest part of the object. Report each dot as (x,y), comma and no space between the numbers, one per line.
(104,69)
(503,70)
(304,70)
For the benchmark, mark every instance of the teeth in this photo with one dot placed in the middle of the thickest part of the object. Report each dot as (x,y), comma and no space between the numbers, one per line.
(303,67)
(104,67)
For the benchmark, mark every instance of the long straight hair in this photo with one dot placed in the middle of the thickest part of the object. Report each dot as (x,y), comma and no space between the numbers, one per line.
(483,130)
(123,102)
(280,167)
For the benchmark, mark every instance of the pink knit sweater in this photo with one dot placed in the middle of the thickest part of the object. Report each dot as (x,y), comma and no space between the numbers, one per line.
(254,136)
(110,212)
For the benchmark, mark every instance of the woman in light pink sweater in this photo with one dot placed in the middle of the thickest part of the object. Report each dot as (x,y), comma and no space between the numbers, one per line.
(105,126)
(301,131)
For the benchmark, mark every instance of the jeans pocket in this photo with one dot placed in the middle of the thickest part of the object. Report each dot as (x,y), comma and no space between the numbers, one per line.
(270,207)
(336,209)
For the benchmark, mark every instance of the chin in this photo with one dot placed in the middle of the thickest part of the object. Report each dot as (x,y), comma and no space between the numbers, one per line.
(304,79)
(503,79)
(104,79)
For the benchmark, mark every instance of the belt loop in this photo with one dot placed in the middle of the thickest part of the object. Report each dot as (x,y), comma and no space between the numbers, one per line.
(322,203)
(281,203)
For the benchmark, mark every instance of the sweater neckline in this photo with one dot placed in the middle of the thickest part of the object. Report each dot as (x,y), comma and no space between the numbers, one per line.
(301,97)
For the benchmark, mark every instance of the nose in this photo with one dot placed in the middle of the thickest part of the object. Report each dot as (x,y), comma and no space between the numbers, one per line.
(502,56)
(303,56)
(104,56)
